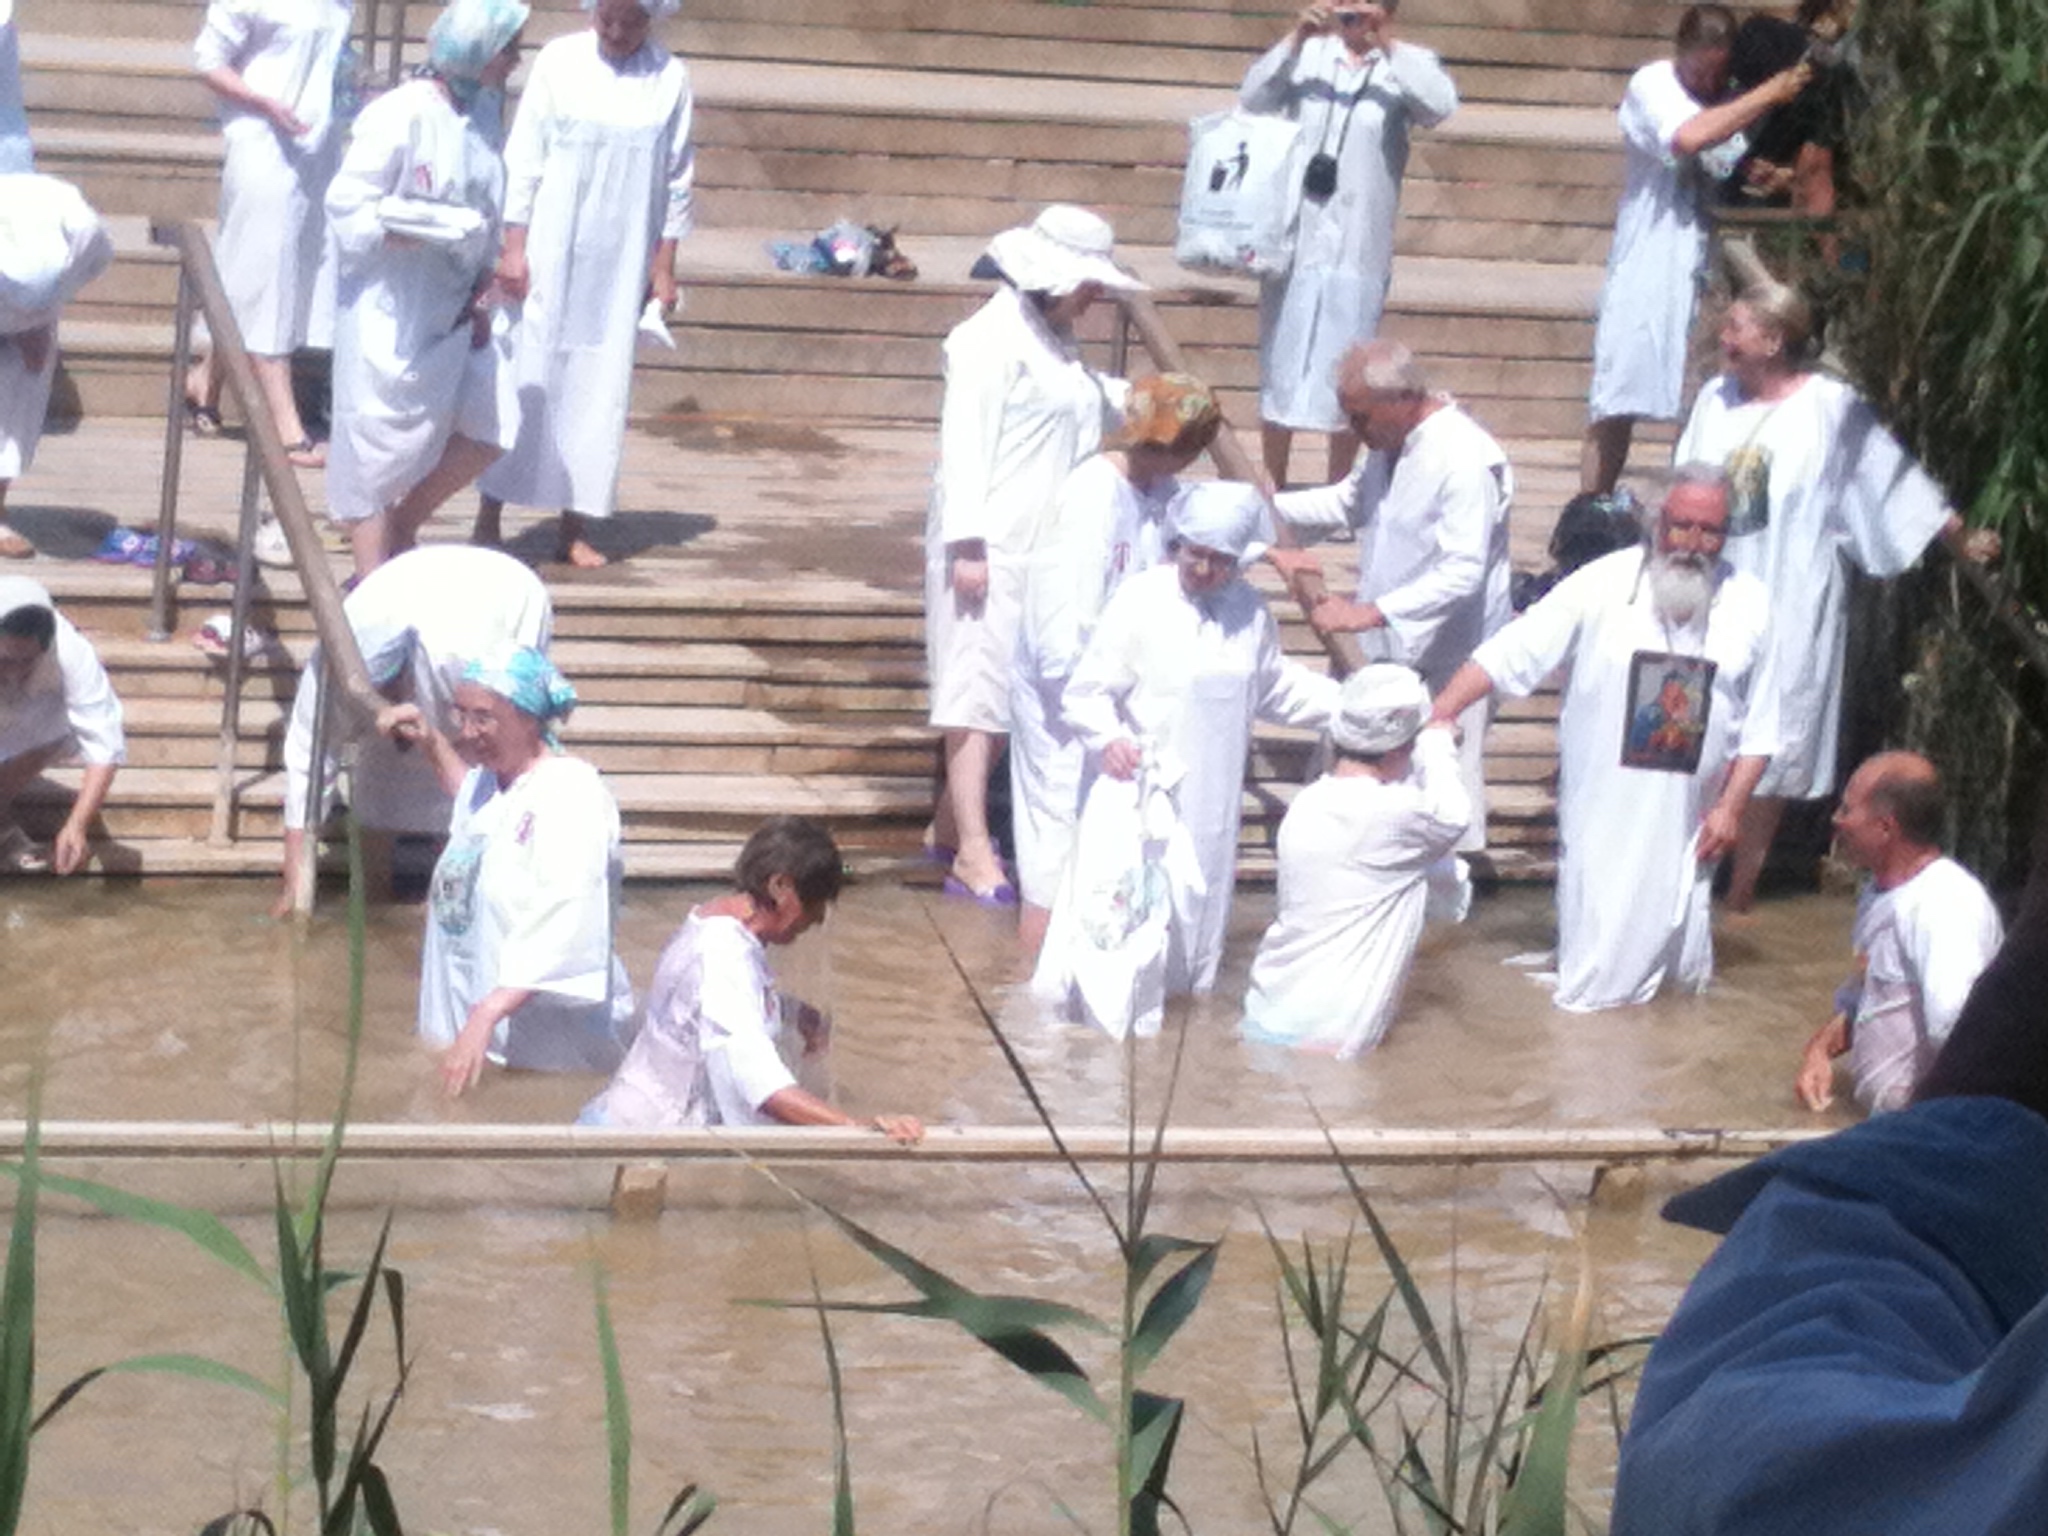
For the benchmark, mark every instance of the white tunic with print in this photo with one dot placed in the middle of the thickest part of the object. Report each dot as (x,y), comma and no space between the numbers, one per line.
(1817,484)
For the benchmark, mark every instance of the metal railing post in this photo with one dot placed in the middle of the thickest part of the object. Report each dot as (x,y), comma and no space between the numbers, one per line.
(174,461)
(238,629)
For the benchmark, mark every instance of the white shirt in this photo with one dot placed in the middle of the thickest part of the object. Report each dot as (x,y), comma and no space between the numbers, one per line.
(1923,943)
(67,696)
(1104,530)
(1433,522)
(286,50)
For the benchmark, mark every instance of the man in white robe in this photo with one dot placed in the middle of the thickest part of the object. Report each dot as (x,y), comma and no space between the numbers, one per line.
(1355,91)
(1671,113)
(1430,502)
(1669,717)
(56,706)
(1925,931)
(1360,850)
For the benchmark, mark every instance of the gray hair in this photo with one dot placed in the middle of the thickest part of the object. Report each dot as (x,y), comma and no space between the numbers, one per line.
(1699,472)
(1384,368)
(1785,310)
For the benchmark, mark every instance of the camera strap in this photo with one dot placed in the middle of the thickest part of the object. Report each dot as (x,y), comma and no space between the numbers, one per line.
(1371,68)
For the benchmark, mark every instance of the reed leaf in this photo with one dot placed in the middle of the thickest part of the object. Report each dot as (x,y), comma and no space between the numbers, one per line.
(18,1329)
(1172,1304)
(1155,1428)
(688,1512)
(206,1231)
(842,1457)
(618,1411)
(193,1367)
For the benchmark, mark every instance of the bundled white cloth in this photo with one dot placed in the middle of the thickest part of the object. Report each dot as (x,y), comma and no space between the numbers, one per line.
(1238,198)
(1133,870)
(434,223)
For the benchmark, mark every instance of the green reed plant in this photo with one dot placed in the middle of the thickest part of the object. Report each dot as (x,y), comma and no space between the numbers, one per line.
(691,1508)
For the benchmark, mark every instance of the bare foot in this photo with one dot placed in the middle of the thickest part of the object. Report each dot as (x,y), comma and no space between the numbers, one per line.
(13,546)
(307,455)
(582,554)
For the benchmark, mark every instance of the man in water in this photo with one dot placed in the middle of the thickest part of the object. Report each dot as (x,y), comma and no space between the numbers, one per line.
(1642,832)
(1925,930)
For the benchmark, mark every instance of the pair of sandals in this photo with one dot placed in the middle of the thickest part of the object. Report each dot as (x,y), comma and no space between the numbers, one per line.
(205,421)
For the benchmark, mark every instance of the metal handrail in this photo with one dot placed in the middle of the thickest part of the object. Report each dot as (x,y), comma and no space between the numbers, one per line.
(265,465)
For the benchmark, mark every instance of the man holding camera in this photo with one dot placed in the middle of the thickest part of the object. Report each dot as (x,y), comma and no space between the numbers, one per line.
(1355,91)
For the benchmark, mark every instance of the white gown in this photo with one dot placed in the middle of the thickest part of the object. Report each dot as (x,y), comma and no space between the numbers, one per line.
(1433,555)
(1331,297)
(1356,863)
(16,153)
(67,698)
(1186,677)
(1818,485)
(272,232)
(1632,900)
(525,896)
(405,373)
(51,245)
(1655,262)
(457,602)
(1103,531)
(1020,411)
(599,170)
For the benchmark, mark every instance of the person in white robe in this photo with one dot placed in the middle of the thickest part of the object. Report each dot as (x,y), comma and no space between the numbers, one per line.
(419,620)
(1670,114)
(600,171)
(1362,852)
(1926,929)
(719,1044)
(276,67)
(1109,524)
(1356,92)
(1430,503)
(1818,485)
(519,966)
(56,706)
(1020,411)
(1668,719)
(1183,660)
(17,154)
(51,245)
(414,209)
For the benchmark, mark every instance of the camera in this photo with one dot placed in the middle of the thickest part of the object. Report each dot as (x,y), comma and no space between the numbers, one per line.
(1319,177)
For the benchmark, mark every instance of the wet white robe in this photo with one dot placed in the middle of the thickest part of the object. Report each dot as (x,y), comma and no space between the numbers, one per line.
(67,698)
(16,153)
(1186,677)
(1332,295)
(1356,863)
(272,231)
(1819,485)
(1104,530)
(51,245)
(1655,262)
(405,373)
(1923,944)
(1433,555)
(456,602)
(525,896)
(1020,411)
(599,169)
(1632,899)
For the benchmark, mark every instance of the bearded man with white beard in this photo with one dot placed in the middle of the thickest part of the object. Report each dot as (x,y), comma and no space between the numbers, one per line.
(1668,721)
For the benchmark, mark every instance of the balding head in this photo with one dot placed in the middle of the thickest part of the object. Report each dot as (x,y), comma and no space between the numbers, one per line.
(1385,391)
(1891,815)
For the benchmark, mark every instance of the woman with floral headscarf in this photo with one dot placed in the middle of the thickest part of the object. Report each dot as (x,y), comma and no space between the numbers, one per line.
(414,209)
(519,966)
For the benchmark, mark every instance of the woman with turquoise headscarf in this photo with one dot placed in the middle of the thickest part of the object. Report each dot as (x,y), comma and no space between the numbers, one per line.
(415,210)
(518,966)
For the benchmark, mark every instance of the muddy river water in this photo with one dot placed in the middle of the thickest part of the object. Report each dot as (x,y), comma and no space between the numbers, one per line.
(180,1001)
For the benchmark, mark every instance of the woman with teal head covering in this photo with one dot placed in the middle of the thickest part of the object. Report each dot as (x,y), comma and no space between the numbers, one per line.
(466,38)
(518,966)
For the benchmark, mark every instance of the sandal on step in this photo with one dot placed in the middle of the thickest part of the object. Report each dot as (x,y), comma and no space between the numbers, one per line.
(306,454)
(21,856)
(203,420)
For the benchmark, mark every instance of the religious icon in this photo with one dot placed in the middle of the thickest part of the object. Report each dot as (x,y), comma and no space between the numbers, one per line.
(1669,700)
(1749,490)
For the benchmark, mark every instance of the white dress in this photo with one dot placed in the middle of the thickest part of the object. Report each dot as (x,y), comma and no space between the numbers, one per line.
(710,1046)
(405,372)
(1330,299)
(524,896)
(453,603)
(1923,944)
(16,153)
(1186,677)
(67,699)
(1104,530)
(1632,899)
(1655,262)
(1356,861)
(599,170)
(51,245)
(1817,484)
(272,232)
(1433,555)
(1020,411)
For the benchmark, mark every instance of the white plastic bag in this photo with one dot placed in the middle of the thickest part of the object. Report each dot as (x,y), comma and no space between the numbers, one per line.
(1239,197)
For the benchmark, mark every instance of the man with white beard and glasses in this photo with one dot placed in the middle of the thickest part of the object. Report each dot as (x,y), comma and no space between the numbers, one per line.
(1669,719)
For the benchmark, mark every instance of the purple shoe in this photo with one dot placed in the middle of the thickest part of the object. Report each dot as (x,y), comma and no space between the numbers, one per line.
(1003,895)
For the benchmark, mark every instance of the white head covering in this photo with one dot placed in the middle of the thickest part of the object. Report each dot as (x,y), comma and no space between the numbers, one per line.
(468,34)
(658,9)
(18,592)
(1383,707)
(1227,516)
(1060,250)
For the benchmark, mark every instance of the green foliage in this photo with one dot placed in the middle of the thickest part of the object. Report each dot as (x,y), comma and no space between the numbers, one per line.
(18,1335)
(692,1507)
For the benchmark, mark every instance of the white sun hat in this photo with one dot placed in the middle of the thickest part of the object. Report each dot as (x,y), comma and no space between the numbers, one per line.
(1058,251)
(1228,516)
(1383,707)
